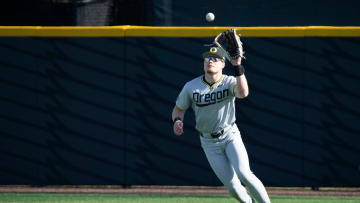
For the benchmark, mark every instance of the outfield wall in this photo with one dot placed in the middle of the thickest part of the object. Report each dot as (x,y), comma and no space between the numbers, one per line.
(86,105)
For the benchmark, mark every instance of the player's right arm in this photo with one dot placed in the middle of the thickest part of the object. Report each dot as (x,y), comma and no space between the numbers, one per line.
(178,117)
(183,102)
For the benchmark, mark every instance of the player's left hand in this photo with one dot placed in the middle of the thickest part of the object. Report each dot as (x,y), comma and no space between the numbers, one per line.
(231,43)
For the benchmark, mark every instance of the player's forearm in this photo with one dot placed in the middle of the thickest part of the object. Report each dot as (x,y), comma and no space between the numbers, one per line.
(242,86)
(177,113)
(242,89)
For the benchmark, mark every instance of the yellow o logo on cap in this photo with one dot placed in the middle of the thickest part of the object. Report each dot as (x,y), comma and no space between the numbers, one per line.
(213,50)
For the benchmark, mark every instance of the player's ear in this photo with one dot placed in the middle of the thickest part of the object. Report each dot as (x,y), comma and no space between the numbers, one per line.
(223,63)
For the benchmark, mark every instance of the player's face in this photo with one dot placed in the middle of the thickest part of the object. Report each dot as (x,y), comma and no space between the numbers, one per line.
(213,65)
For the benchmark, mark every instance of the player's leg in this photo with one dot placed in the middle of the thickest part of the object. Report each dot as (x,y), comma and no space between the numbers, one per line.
(224,171)
(238,156)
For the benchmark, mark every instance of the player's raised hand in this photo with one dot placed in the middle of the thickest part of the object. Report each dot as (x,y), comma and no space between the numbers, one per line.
(178,127)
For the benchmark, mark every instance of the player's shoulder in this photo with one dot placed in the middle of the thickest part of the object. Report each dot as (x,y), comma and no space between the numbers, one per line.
(228,78)
(194,82)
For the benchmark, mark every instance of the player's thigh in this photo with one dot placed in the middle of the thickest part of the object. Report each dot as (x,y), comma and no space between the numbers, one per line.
(220,165)
(237,155)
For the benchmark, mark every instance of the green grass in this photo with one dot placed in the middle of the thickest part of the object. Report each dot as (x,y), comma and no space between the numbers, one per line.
(112,198)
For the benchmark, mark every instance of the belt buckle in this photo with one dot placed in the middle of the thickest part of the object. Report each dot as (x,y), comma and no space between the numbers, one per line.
(217,134)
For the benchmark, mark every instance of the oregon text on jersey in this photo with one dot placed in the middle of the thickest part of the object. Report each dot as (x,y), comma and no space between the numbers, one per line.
(202,100)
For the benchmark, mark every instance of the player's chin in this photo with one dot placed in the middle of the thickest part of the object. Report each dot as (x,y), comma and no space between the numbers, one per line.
(210,71)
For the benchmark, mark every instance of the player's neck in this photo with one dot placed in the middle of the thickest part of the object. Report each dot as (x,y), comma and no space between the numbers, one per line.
(212,78)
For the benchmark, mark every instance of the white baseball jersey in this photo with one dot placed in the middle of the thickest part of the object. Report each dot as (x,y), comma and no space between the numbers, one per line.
(214,105)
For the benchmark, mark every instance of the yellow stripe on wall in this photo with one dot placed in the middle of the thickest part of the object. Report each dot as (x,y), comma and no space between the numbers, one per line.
(147,31)
(38,31)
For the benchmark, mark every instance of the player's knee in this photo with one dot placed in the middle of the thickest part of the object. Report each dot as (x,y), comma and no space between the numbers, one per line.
(245,176)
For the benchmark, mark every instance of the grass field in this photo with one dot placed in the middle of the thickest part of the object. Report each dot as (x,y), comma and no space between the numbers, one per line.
(112,198)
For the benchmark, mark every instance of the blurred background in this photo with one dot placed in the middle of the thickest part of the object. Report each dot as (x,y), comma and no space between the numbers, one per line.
(179,13)
(97,110)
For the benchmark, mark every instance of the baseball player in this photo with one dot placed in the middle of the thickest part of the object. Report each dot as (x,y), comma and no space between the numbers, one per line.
(212,97)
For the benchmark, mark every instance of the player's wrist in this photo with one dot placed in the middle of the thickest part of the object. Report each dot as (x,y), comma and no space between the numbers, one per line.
(176,119)
(239,70)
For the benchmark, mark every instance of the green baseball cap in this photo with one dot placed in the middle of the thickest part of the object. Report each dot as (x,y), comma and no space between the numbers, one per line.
(215,51)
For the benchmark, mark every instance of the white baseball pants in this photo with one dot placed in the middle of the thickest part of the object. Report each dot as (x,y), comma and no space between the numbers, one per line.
(229,160)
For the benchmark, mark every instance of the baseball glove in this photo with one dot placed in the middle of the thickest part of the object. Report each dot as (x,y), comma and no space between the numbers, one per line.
(230,42)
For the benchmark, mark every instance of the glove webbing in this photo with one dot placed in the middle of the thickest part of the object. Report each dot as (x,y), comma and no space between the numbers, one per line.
(234,50)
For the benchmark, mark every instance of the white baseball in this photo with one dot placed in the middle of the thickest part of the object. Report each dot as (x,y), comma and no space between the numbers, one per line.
(210,17)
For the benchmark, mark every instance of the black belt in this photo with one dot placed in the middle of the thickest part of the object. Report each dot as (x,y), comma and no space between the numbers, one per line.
(218,133)
(215,135)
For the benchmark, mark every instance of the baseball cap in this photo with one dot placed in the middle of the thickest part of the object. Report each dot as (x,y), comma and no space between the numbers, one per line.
(215,51)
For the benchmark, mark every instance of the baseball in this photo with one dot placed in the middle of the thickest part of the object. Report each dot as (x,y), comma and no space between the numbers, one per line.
(210,17)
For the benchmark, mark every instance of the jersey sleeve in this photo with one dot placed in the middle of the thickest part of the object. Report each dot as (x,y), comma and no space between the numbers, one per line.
(183,101)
